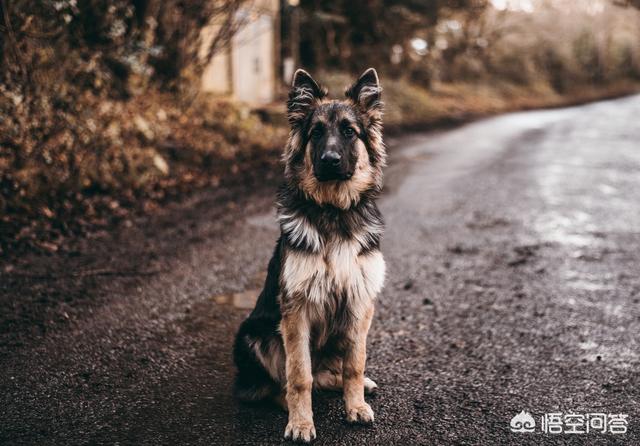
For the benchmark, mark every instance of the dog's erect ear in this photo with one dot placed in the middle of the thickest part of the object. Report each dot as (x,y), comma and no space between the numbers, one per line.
(302,79)
(304,94)
(366,93)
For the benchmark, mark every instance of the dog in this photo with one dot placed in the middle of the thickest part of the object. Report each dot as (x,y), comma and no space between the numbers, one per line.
(309,327)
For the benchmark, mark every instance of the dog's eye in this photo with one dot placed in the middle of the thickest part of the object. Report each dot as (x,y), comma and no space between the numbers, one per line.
(349,132)
(316,133)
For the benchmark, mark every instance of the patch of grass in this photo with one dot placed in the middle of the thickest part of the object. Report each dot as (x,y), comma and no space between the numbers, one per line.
(408,106)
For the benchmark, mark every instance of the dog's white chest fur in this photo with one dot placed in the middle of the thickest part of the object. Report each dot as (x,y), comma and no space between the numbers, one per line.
(336,268)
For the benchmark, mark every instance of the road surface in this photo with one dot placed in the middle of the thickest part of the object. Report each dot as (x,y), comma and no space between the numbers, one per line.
(513,252)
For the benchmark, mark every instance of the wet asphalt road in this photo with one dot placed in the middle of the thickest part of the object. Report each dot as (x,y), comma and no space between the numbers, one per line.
(513,252)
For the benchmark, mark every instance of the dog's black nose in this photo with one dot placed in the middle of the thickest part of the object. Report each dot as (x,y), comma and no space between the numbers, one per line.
(330,158)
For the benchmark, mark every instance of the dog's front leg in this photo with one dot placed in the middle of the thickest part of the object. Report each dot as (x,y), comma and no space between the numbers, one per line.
(295,333)
(358,411)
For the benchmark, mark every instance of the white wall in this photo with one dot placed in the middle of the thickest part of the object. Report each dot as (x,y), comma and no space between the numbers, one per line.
(252,60)
(216,75)
(246,71)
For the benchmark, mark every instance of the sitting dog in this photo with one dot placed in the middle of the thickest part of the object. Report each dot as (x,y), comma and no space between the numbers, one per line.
(309,326)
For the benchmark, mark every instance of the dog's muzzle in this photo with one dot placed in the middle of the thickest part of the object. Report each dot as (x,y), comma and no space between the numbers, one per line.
(331,167)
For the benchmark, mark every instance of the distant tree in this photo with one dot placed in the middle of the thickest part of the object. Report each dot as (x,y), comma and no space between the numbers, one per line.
(100,42)
(353,33)
(60,61)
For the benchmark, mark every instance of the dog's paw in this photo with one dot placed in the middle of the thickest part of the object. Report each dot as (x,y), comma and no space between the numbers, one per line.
(360,414)
(303,431)
(370,386)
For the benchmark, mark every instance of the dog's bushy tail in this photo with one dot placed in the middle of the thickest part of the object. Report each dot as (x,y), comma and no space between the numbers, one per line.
(253,383)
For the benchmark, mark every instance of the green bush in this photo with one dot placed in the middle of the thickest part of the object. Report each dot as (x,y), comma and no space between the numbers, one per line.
(588,58)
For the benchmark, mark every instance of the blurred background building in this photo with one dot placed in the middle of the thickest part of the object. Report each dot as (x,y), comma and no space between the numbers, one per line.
(247,69)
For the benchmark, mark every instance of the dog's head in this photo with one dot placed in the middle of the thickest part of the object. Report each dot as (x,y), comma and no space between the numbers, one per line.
(335,151)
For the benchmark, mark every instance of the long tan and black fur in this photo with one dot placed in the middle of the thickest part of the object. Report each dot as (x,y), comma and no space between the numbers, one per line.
(309,326)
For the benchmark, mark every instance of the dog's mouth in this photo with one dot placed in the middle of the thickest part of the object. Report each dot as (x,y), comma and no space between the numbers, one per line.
(324,177)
